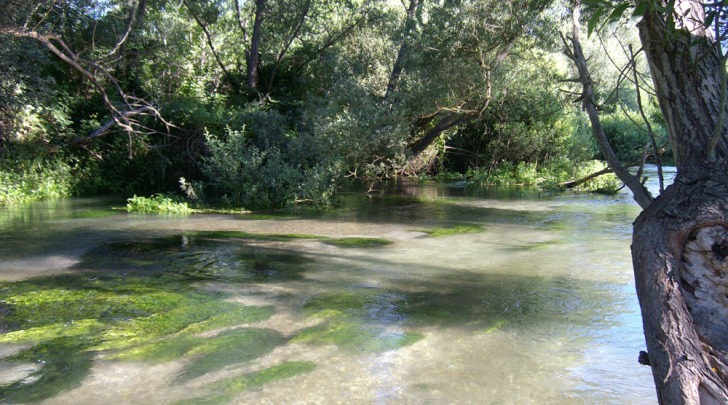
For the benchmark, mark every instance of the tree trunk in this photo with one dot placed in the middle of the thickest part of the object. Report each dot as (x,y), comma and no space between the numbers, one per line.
(680,242)
(254,56)
(409,24)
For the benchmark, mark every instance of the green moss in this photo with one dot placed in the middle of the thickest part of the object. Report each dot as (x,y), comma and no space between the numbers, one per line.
(455,230)
(359,242)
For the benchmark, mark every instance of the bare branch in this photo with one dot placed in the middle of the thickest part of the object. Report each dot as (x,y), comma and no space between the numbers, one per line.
(640,193)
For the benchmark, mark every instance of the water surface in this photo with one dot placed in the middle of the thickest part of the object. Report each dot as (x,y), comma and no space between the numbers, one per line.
(447,295)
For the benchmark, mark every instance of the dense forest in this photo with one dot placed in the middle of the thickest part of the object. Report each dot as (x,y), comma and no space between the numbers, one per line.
(271,103)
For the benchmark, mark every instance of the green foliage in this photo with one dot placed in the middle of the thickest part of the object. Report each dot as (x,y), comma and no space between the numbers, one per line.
(319,113)
(158,203)
(550,174)
(269,166)
(628,135)
(35,179)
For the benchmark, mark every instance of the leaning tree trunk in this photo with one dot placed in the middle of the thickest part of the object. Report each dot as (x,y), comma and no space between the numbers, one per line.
(680,242)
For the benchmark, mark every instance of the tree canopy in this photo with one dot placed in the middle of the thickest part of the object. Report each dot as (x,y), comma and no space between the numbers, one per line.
(132,96)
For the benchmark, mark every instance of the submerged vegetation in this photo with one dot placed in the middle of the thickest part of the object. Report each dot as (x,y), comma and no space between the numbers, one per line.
(164,300)
(68,320)
(455,230)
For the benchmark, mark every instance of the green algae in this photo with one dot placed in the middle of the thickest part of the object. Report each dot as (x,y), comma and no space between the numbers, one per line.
(91,214)
(356,321)
(196,258)
(352,242)
(496,326)
(454,230)
(257,379)
(350,333)
(275,237)
(237,316)
(358,242)
(155,315)
(145,329)
(226,389)
(73,329)
(231,347)
(65,363)
(537,245)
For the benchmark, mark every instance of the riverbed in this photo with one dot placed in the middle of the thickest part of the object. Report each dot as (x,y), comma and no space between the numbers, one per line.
(430,293)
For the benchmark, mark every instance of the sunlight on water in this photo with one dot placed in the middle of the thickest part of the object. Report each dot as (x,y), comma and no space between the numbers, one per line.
(481,296)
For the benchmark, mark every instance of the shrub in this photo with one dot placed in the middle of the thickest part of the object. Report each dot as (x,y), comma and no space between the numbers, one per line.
(34,180)
(550,174)
(244,174)
(158,203)
(628,139)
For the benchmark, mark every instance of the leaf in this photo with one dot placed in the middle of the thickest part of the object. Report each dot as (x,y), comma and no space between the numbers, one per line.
(667,9)
(640,10)
(709,19)
(592,23)
(618,12)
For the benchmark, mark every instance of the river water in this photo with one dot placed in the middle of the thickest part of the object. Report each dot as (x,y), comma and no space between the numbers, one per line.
(432,294)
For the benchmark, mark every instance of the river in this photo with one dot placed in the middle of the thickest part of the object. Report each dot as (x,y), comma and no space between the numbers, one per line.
(431,294)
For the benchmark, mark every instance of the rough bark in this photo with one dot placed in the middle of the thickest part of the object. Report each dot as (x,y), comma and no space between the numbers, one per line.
(680,242)
(681,274)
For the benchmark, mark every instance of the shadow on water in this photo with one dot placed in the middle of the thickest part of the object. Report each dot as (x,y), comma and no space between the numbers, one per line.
(145,299)
(153,299)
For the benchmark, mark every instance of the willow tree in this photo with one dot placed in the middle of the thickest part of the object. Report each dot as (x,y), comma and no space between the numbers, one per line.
(680,240)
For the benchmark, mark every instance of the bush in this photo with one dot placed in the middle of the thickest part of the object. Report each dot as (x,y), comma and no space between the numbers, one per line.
(628,139)
(549,175)
(244,174)
(34,180)
(158,203)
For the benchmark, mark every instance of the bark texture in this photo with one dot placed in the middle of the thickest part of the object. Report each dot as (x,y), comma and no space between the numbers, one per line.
(681,273)
(680,242)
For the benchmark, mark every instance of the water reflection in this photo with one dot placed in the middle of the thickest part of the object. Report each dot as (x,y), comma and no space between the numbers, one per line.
(533,304)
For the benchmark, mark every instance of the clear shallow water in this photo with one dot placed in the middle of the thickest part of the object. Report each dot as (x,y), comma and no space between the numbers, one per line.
(536,305)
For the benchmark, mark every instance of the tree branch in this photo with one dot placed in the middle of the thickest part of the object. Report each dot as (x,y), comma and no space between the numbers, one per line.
(575,52)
